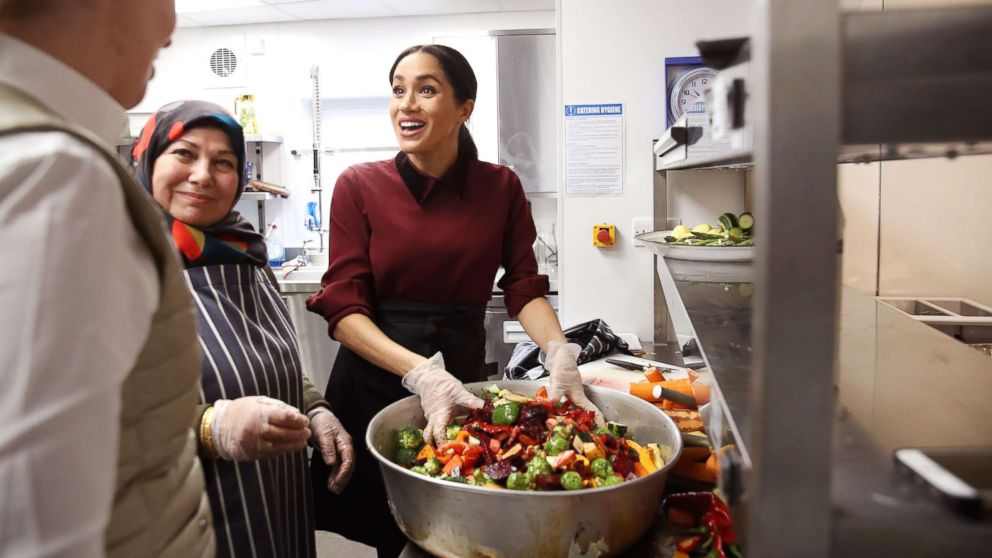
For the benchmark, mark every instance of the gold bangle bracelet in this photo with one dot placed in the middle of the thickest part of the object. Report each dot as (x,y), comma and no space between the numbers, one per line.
(206,433)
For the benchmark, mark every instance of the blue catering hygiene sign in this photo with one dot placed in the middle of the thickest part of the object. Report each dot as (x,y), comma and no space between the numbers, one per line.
(594,149)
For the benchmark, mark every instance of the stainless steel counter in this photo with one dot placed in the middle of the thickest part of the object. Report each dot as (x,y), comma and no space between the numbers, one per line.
(899,383)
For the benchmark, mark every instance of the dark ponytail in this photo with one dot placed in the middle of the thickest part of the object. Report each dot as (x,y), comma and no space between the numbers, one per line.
(466,145)
(462,78)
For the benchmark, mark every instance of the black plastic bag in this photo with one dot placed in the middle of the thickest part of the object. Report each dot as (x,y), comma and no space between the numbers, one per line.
(595,337)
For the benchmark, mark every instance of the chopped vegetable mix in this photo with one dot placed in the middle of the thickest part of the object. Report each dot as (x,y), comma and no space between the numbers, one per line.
(529,443)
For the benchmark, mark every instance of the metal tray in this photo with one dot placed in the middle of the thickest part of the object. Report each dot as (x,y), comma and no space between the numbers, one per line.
(655,241)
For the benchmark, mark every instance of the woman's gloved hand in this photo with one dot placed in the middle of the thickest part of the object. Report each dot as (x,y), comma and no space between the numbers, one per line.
(334,444)
(440,393)
(562,361)
(257,427)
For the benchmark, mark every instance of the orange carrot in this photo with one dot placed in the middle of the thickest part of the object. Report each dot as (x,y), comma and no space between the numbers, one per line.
(455,461)
(427,452)
(693,471)
(542,394)
(682,386)
(702,393)
(713,464)
(653,375)
(462,436)
(695,453)
(644,390)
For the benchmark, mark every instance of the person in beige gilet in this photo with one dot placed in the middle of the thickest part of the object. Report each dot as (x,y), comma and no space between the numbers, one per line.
(98,354)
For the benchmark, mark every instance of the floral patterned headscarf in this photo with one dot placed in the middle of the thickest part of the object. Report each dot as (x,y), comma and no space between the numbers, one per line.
(231,240)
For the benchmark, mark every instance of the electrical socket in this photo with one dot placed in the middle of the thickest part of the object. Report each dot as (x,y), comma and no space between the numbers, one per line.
(641,225)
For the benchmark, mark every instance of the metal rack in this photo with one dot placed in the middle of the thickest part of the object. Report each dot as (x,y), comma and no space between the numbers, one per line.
(263,153)
(823,87)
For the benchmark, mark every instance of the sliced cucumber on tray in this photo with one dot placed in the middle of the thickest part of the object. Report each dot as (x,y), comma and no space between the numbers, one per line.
(733,230)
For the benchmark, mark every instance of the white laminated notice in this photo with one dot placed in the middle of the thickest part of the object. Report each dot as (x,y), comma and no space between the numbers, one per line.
(594,154)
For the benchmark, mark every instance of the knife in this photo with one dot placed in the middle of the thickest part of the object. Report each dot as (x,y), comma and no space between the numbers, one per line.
(684,399)
(627,364)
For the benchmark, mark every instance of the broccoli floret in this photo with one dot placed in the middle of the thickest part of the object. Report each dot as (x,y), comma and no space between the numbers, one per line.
(563,430)
(518,481)
(410,437)
(419,469)
(458,479)
(433,466)
(405,456)
(452,431)
(479,478)
(538,465)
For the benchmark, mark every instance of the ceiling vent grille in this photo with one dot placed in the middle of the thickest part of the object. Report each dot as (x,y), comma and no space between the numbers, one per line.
(223,62)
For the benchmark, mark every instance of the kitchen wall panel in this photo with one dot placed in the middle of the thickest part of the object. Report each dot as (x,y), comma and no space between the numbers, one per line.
(935,237)
(858,192)
(614,52)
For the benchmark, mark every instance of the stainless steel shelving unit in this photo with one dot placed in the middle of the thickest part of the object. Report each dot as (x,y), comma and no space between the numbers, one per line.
(823,87)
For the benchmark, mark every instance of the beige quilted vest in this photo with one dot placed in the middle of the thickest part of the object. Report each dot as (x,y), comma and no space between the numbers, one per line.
(160,507)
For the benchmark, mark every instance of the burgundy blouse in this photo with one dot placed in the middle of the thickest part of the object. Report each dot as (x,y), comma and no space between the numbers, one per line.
(397,234)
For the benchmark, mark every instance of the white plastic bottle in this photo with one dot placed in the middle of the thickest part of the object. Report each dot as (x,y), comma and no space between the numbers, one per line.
(274,246)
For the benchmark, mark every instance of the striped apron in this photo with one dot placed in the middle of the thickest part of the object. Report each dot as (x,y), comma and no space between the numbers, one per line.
(260,508)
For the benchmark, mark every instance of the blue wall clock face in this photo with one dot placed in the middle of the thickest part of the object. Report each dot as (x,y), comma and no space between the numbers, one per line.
(687,96)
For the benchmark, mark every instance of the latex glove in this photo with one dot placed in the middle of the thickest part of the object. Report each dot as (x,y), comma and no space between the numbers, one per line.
(562,361)
(335,446)
(257,427)
(440,393)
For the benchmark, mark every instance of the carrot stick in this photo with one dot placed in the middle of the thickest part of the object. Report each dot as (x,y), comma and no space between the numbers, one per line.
(644,390)
(653,375)
(693,471)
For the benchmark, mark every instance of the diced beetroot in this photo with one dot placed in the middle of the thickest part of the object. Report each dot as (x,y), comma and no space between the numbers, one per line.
(623,464)
(499,470)
(533,412)
(580,468)
(484,414)
(610,442)
(547,482)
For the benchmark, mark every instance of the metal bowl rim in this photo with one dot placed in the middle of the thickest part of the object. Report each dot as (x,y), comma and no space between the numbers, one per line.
(676,454)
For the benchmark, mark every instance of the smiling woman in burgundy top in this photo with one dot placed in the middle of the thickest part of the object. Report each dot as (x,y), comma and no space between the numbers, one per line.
(416,242)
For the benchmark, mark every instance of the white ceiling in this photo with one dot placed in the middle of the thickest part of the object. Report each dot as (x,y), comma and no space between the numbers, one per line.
(194,13)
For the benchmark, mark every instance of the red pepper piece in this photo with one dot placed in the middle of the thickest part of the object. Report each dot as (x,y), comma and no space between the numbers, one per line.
(471,456)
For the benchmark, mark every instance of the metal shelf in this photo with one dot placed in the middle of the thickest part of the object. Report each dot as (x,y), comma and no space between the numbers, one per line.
(889,100)
(257,196)
(262,138)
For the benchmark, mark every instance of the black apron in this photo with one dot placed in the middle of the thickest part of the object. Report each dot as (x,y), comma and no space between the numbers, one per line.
(358,390)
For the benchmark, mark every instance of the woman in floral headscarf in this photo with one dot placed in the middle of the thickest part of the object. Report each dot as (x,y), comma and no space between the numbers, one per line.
(258,409)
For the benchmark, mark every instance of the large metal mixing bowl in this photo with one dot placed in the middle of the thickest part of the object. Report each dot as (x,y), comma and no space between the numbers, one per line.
(455,520)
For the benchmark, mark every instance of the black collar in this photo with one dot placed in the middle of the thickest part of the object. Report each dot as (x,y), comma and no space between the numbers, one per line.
(421,185)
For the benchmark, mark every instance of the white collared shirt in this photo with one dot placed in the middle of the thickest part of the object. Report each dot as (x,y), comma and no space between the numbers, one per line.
(77,292)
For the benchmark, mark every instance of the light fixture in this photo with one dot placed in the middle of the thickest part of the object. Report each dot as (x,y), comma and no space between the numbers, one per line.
(190,6)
